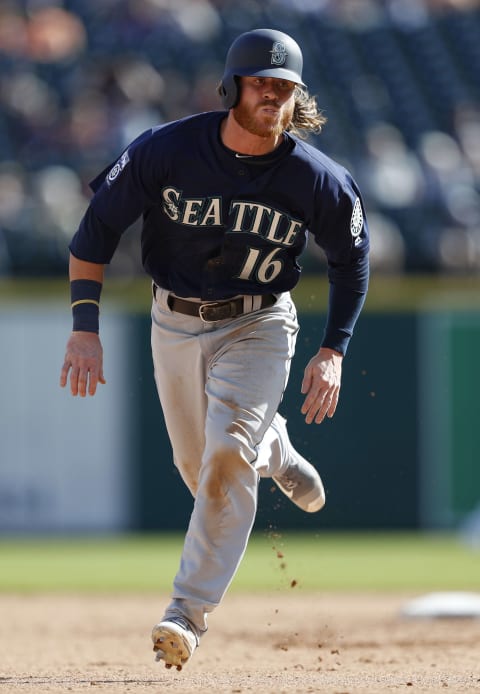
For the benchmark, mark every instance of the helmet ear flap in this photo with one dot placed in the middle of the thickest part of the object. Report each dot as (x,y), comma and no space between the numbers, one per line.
(229,91)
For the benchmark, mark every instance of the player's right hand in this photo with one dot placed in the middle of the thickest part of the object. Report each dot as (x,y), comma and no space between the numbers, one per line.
(84,362)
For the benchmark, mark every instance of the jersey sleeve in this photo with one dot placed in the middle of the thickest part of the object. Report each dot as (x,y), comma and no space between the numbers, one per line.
(94,241)
(344,237)
(122,193)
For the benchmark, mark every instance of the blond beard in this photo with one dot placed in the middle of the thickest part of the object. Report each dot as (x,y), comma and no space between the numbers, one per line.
(254,124)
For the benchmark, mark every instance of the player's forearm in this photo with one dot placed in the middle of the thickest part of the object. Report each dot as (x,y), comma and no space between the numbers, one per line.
(86,281)
(348,289)
(83,270)
(345,306)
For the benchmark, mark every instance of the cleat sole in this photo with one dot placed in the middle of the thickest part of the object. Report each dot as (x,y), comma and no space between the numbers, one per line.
(171,648)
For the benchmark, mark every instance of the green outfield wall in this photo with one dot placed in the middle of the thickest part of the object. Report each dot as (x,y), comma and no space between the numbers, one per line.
(368,454)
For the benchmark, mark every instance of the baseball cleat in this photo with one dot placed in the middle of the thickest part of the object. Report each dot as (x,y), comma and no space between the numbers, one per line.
(300,482)
(174,642)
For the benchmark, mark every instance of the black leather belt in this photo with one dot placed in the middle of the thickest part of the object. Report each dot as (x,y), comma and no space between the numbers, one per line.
(215,310)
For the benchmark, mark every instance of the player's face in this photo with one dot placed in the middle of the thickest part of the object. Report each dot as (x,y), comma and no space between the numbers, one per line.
(266,105)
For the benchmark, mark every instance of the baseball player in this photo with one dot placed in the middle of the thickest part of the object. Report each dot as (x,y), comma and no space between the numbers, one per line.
(227,200)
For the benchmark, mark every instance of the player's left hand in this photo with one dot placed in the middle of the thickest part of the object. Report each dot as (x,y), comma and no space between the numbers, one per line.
(321,385)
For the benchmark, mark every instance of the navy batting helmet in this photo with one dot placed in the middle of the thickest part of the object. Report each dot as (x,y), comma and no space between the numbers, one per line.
(260,53)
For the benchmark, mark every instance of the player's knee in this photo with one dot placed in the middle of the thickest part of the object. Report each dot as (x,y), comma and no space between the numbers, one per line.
(225,470)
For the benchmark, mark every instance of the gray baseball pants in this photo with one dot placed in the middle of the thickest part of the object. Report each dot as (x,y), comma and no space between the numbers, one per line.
(220,385)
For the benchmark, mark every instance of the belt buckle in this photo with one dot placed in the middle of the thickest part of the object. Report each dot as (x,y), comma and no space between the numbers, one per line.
(215,311)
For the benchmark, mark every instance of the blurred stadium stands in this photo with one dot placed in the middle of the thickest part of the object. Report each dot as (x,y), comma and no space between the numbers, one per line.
(399,81)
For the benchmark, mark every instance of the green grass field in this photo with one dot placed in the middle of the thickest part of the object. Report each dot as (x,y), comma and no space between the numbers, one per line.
(328,561)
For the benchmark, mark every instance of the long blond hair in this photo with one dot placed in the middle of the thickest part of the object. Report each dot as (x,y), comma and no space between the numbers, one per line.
(306,116)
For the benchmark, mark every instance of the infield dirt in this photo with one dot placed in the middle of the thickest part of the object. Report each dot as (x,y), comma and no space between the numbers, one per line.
(291,641)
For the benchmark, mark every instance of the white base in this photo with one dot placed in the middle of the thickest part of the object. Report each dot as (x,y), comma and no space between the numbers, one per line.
(444,605)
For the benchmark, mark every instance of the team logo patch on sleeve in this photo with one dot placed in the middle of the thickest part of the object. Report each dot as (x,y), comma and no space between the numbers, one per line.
(356,222)
(118,168)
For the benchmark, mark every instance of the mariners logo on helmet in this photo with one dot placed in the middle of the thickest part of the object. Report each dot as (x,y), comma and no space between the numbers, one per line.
(279,53)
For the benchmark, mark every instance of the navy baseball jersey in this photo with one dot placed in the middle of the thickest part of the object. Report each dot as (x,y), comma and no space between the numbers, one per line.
(217,224)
